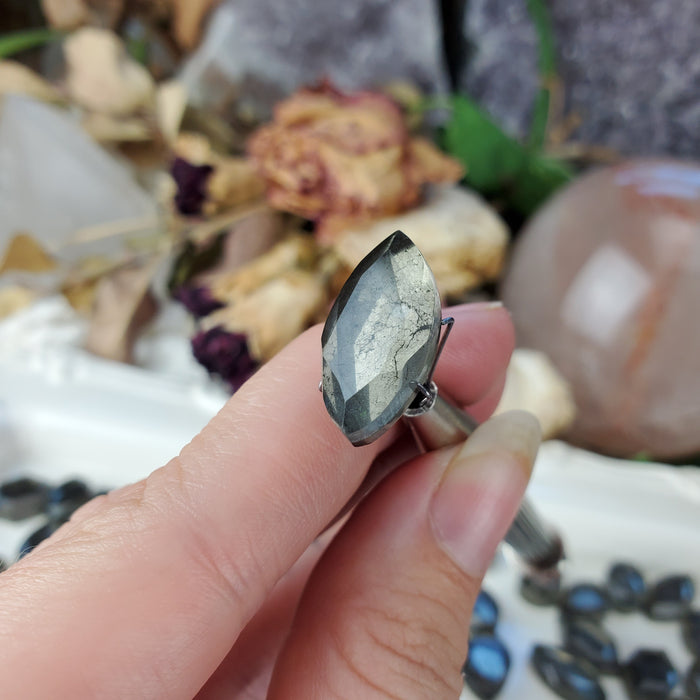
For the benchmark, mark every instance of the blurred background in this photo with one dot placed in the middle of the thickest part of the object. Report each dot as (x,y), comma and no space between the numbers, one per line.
(186,184)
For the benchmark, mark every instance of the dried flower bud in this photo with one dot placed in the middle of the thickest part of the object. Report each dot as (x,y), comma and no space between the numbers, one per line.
(199,301)
(191,181)
(225,354)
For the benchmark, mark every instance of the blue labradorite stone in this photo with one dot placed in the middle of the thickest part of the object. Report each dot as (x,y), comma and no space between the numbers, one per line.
(484,614)
(65,499)
(691,632)
(670,598)
(626,587)
(487,665)
(567,676)
(692,681)
(37,537)
(22,498)
(649,675)
(541,589)
(586,638)
(585,600)
(380,339)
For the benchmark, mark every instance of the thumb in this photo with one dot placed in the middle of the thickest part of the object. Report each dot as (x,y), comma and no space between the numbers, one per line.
(386,612)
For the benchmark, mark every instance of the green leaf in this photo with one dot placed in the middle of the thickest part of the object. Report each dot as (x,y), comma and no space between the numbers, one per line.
(496,164)
(547,61)
(540,178)
(491,158)
(15,42)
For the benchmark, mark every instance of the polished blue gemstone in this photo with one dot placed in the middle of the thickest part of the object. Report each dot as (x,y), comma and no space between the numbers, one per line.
(587,639)
(541,589)
(626,587)
(22,498)
(38,536)
(691,631)
(487,665)
(65,499)
(670,598)
(485,613)
(567,676)
(649,675)
(692,681)
(585,600)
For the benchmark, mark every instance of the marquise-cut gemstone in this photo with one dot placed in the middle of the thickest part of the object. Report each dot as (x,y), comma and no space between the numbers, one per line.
(380,339)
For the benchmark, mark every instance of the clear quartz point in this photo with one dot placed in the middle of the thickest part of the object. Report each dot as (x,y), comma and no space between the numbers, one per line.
(380,339)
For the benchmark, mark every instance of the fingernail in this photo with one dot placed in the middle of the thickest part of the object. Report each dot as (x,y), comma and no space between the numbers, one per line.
(482,487)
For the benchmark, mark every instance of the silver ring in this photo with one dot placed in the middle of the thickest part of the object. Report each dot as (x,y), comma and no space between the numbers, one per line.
(381,343)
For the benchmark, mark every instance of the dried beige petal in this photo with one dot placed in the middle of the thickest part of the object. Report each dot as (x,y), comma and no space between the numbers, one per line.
(461,237)
(102,76)
(123,305)
(188,19)
(25,254)
(276,312)
(534,384)
(17,79)
(194,148)
(297,251)
(106,128)
(233,182)
(171,101)
(66,14)
(14,298)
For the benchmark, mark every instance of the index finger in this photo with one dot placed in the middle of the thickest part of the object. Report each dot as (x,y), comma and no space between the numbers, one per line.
(152,585)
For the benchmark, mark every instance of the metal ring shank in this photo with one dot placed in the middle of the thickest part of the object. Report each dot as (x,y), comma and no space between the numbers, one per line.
(444,424)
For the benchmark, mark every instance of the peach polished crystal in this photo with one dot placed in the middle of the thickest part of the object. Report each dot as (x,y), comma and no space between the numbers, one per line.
(606,281)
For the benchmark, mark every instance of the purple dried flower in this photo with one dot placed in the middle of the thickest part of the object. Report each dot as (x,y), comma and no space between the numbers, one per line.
(225,354)
(199,301)
(191,182)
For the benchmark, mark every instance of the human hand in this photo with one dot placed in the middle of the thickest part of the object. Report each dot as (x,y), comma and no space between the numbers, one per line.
(208,578)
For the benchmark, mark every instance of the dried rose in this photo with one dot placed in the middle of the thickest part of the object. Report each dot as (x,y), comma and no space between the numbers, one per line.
(331,154)
(225,354)
(191,183)
(199,301)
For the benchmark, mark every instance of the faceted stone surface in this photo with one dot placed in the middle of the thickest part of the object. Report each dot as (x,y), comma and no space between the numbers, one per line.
(380,339)
(587,639)
(691,632)
(604,281)
(487,665)
(626,587)
(567,676)
(484,614)
(541,590)
(649,675)
(585,600)
(670,598)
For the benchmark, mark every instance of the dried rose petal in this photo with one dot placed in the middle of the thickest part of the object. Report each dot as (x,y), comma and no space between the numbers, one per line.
(191,183)
(328,154)
(225,354)
(199,301)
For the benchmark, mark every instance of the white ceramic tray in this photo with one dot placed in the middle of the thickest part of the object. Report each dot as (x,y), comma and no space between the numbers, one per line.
(64,413)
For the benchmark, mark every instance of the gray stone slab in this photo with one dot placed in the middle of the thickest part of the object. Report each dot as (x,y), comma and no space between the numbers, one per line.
(261,50)
(631,69)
